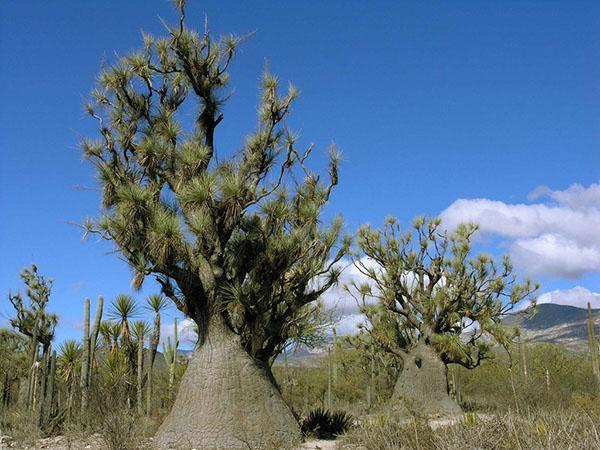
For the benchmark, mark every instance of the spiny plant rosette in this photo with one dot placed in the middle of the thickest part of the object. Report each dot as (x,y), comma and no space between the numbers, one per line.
(324,424)
(235,241)
(430,303)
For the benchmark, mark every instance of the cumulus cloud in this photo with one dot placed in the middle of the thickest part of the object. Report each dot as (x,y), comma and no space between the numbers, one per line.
(556,236)
(343,306)
(186,333)
(577,296)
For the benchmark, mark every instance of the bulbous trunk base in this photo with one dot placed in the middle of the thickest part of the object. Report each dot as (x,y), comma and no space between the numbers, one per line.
(422,387)
(226,401)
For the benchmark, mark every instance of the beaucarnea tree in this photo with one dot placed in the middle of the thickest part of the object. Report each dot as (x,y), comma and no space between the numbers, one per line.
(235,241)
(430,302)
(33,320)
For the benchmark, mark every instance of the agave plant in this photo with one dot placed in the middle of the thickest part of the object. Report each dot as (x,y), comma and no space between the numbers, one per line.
(325,424)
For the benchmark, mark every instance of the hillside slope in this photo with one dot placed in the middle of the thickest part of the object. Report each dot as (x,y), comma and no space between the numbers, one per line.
(561,324)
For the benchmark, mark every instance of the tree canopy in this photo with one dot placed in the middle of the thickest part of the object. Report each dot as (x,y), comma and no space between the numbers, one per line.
(424,285)
(229,232)
(31,317)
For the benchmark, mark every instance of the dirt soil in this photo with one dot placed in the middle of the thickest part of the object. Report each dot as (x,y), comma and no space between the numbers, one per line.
(95,443)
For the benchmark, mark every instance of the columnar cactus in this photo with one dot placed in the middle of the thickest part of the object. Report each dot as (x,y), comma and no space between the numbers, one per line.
(173,364)
(85,360)
(94,338)
(156,303)
(593,344)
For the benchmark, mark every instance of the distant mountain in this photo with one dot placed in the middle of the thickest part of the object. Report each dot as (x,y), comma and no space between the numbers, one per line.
(561,324)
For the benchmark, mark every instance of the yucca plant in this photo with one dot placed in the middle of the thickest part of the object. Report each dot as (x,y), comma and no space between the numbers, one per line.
(69,366)
(116,370)
(123,310)
(325,424)
(110,331)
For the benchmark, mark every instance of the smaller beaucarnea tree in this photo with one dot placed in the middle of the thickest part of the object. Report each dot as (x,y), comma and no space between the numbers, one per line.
(431,303)
(31,318)
(34,321)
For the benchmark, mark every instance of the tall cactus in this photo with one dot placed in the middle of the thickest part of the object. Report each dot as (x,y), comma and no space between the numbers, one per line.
(329,376)
(140,332)
(85,357)
(156,303)
(170,354)
(33,355)
(174,361)
(94,338)
(49,405)
(43,386)
(593,344)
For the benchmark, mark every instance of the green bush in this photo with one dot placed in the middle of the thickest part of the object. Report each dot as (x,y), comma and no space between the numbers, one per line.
(324,424)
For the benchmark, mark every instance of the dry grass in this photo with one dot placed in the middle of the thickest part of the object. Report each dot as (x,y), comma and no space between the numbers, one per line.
(574,429)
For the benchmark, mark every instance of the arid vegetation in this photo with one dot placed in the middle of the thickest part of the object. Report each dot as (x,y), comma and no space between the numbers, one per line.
(238,244)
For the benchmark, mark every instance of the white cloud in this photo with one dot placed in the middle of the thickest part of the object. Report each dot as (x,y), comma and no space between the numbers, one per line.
(577,296)
(557,236)
(341,303)
(186,333)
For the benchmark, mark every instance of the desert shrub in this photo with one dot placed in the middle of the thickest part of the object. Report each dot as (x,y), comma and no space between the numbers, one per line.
(111,413)
(21,424)
(325,424)
(543,429)
(553,377)
(305,387)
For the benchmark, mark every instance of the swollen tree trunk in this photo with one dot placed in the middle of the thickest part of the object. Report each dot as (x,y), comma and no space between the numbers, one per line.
(226,400)
(422,387)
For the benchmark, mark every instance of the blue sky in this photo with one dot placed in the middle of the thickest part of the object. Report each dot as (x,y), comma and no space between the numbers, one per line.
(430,102)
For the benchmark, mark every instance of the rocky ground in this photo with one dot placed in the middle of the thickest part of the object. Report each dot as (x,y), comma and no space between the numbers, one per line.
(95,443)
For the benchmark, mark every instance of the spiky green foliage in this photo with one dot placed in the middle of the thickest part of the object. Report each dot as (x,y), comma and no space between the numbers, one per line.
(425,286)
(123,309)
(110,331)
(69,362)
(69,368)
(324,424)
(31,317)
(236,236)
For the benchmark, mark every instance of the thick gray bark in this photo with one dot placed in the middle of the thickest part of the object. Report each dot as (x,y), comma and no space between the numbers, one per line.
(422,387)
(227,401)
